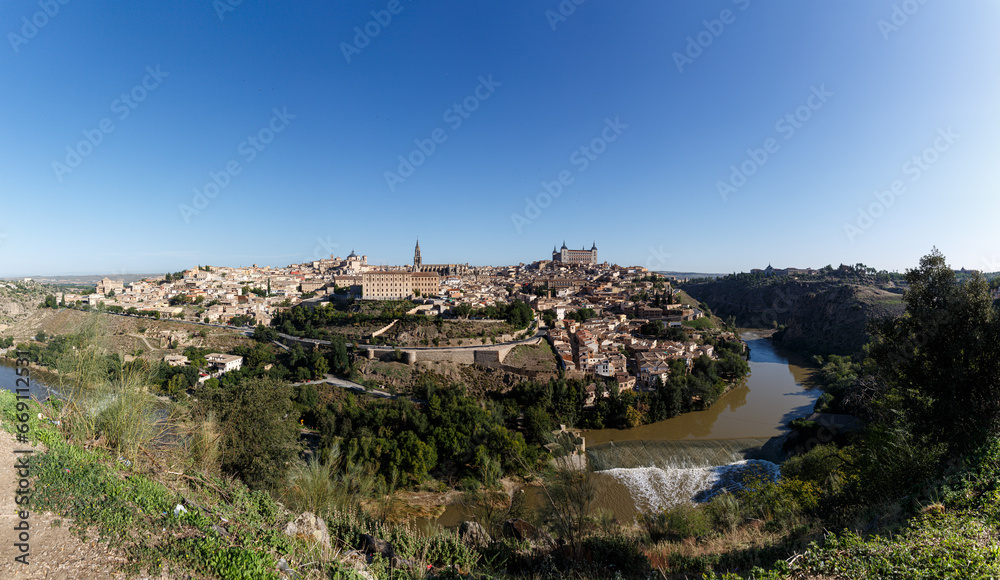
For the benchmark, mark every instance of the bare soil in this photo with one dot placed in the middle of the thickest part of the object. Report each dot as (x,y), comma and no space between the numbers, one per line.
(54,552)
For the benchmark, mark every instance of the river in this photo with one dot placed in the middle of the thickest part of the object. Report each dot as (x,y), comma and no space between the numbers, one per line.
(8,380)
(695,455)
(692,456)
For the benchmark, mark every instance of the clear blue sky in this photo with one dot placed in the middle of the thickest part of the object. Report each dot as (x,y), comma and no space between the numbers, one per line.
(608,70)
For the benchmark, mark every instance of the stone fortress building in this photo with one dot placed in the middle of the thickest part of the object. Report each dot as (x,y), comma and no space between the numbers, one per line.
(575,257)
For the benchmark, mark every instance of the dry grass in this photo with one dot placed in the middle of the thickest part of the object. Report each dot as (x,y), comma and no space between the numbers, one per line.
(538,357)
(203,444)
(746,537)
(107,404)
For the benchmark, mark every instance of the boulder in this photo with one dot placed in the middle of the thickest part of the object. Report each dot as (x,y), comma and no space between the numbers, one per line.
(371,545)
(310,527)
(474,534)
(523,531)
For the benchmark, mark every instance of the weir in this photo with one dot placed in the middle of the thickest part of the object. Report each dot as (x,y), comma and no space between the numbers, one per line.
(660,474)
(682,454)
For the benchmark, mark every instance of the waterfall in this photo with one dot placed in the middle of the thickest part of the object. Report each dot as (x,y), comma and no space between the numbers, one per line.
(681,454)
(660,474)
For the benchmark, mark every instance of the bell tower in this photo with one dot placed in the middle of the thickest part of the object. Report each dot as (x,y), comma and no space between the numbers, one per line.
(416,257)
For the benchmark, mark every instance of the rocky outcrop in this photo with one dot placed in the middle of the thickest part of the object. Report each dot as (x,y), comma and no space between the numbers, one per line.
(310,527)
(825,316)
(474,534)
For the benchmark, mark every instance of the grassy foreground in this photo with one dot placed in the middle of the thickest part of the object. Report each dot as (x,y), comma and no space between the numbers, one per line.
(228,531)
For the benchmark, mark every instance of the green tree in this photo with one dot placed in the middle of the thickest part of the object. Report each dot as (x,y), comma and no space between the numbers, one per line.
(673,395)
(339,361)
(175,385)
(321,368)
(264,333)
(259,429)
(939,359)
(537,425)
(412,456)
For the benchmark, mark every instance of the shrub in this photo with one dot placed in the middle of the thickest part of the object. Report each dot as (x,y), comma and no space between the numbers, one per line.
(933,546)
(891,461)
(725,512)
(676,523)
(259,441)
(779,504)
(619,552)
(822,466)
(311,487)
(129,423)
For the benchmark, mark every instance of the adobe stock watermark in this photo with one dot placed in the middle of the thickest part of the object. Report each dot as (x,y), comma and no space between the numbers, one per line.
(914,168)
(248,149)
(711,30)
(991,264)
(455,116)
(381,19)
(657,259)
(781,304)
(30,26)
(22,457)
(122,106)
(581,158)
(324,248)
(900,16)
(787,127)
(563,11)
(222,7)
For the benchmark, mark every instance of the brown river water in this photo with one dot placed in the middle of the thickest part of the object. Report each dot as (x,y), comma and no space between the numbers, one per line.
(692,456)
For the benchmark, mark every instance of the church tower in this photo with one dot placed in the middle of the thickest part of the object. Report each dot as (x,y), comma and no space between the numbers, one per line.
(416,258)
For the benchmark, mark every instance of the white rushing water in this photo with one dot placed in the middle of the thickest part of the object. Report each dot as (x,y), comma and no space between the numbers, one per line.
(654,489)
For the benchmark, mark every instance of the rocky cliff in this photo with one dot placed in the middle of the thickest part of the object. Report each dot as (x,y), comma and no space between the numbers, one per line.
(820,316)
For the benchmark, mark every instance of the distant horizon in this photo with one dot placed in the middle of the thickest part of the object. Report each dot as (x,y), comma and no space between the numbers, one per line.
(665,272)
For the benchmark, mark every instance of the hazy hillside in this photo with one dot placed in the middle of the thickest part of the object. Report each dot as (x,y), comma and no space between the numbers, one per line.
(18,301)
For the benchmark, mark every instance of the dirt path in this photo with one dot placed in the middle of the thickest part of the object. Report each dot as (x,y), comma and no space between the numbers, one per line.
(54,553)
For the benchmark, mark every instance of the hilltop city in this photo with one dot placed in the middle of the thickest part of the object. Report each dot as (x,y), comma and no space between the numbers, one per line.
(598,317)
